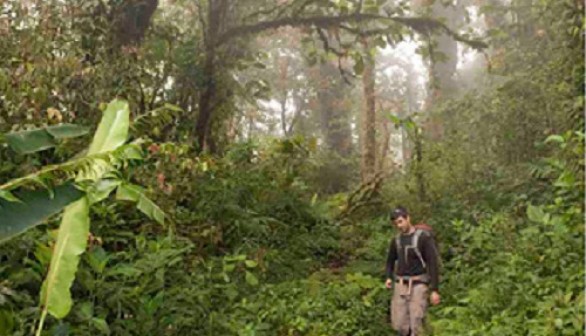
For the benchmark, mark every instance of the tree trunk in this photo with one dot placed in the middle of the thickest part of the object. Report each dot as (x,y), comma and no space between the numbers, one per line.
(442,67)
(419,167)
(205,101)
(385,145)
(334,111)
(368,158)
(216,11)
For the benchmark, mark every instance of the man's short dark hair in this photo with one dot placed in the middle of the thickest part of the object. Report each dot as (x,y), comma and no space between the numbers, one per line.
(399,212)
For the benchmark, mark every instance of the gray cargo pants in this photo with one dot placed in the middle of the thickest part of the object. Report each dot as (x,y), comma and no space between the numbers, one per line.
(408,309)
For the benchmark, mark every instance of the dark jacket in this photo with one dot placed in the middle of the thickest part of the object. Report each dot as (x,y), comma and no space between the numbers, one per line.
(408,263)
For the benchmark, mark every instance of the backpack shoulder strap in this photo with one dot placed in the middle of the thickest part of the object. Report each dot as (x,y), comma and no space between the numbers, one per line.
(398,243)
(415,245)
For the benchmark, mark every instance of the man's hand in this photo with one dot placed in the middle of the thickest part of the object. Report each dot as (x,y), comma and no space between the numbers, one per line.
(435,298)
(389,283)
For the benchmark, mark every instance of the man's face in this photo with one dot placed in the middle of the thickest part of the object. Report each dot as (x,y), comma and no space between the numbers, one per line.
(403,224)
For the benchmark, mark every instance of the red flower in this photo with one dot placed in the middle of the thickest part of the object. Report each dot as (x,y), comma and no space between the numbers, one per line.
(154,148)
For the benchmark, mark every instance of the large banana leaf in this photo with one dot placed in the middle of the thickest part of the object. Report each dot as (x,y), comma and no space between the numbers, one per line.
(33,208)
(74,230)
(71,243)
(113,129)
(31,141)
(65,131)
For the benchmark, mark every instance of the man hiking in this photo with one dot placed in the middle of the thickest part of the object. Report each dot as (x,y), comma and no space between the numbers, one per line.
(414,277)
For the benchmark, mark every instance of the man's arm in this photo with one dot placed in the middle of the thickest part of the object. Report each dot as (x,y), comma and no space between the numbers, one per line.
(391,258)
(430,254)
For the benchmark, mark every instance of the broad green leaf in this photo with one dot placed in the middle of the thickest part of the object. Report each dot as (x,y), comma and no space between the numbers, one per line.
(251,279)
(113,129)
(133,151)
(102,189)
(65,131)
(35,207)
(134,193)
(535,213)
(128,192)
(251,263)
(150,209)
(74,229)
(26,142)
(101,325)
(71,243)
(229,267)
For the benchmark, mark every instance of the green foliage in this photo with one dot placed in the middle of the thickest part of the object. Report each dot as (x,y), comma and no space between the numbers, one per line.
(30,141)
(112,131)
(73,231)
(323,304)
(72,236)
(31,208)
(110,135)
(71,243)
(532,254)
(134,193)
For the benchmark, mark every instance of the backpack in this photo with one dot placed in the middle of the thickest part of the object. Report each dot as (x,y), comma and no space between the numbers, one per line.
(421,229)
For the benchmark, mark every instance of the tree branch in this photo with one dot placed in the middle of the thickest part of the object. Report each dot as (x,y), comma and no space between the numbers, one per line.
(327,46)
(338,53)
(418,24)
